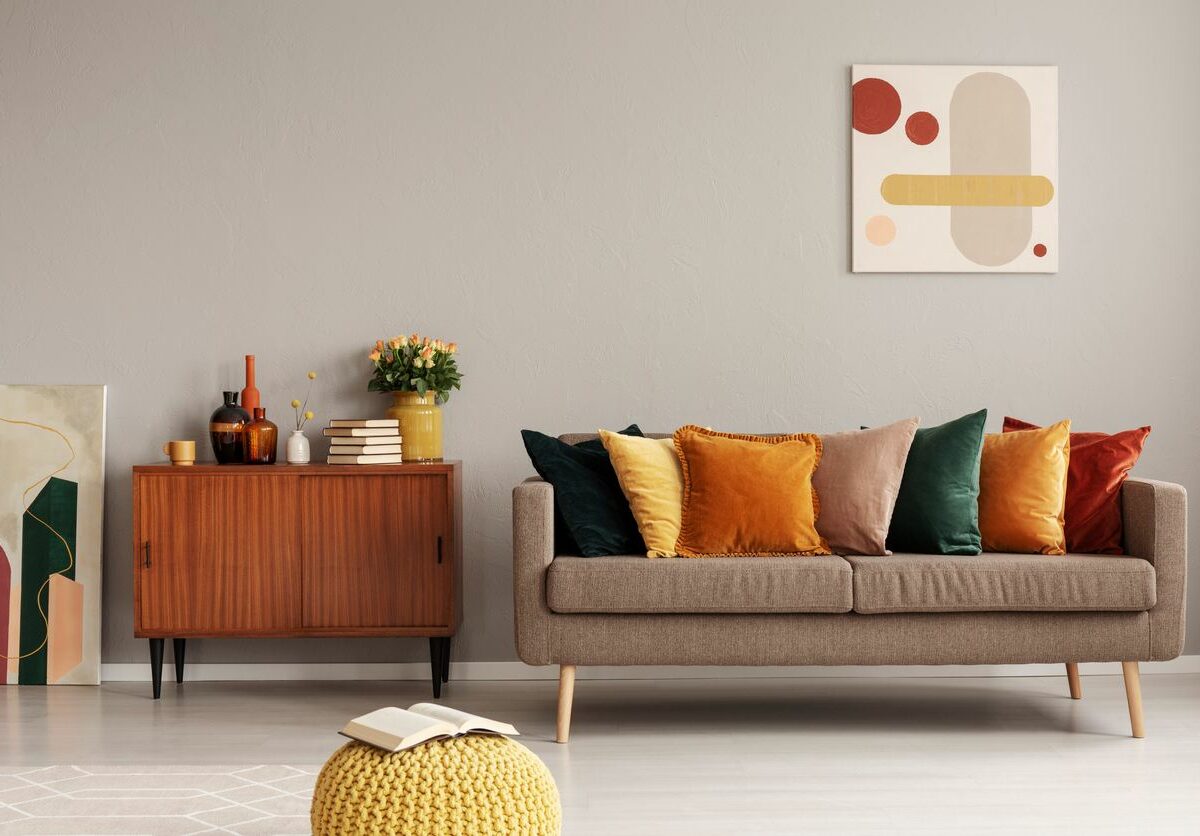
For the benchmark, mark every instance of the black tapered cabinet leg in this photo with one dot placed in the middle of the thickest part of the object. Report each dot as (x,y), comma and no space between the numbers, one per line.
(156,654)
(435,665)
(180,647)
(446,659)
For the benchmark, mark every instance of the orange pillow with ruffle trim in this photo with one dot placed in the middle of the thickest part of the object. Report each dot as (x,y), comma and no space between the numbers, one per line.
(748,494)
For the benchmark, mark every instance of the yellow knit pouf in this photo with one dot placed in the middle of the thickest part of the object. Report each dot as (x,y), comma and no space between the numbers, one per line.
(463,785)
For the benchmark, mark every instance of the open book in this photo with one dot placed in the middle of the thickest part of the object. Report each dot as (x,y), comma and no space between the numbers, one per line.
(395,729)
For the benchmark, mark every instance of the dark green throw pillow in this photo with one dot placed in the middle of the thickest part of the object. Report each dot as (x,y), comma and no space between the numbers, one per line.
(564,543)
(937,508)
(587,496)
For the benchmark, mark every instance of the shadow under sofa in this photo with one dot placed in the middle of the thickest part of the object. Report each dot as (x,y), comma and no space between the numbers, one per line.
(901,609)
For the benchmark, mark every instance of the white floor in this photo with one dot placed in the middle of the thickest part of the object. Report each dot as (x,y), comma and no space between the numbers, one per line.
(986,755)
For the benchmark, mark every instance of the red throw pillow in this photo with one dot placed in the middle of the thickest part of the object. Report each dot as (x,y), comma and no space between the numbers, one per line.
(1098,466)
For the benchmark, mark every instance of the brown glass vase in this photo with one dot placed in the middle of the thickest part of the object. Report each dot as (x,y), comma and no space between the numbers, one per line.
(260,438)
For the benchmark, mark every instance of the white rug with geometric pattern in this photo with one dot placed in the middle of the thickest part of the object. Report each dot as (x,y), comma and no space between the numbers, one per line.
(155,800)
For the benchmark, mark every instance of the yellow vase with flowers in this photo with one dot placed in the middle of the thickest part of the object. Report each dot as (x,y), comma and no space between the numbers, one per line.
(419,372)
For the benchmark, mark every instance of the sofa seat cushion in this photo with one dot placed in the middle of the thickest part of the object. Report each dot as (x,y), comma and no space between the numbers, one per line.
(635,584)
(1001,582)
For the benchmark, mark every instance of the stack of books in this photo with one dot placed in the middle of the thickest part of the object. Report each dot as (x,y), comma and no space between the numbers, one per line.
(364,441)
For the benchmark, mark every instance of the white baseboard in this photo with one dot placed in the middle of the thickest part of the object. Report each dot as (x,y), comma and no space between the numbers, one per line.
(139,672)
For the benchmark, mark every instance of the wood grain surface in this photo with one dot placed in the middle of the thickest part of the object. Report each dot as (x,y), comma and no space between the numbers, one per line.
(371,551)
(215,555)
(282,550)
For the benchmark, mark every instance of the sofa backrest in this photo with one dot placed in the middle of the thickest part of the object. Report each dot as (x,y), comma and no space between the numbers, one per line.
(575,438)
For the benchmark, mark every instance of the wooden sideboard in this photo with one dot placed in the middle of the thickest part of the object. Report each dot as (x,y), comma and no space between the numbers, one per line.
(297,550)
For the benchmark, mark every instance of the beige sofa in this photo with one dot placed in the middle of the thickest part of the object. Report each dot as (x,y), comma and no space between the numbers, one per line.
(903,609)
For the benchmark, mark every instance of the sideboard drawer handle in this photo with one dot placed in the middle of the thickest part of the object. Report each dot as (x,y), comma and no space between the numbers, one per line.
(439,548)
(146,561)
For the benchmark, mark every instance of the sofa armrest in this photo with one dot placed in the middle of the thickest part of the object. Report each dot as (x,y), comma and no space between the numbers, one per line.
(533,549)
(1155,518)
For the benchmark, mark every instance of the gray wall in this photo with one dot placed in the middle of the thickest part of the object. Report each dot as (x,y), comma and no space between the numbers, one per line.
(621,211)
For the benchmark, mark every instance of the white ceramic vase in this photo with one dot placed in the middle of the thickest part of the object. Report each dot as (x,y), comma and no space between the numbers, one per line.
(298,451)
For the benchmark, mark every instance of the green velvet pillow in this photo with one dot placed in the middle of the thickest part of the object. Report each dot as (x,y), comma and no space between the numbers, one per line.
(588,500)
(564,543)
(937,508)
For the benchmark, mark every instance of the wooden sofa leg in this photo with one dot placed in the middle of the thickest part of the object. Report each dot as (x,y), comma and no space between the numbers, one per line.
(1133,694)
(1073,680)
(566,693)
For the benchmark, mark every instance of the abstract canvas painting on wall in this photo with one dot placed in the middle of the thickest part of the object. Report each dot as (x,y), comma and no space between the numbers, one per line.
(955,169)
(51,510)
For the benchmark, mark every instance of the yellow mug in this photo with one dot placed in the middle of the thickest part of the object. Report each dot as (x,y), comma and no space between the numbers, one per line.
(181,453)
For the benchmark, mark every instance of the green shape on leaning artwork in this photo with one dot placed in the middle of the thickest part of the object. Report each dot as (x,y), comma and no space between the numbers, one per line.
(42,555)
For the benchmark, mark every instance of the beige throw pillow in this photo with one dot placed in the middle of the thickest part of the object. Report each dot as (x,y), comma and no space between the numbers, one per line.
(857,484)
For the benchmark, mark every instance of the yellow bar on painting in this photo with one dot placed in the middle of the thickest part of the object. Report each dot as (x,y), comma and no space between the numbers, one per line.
(966,190)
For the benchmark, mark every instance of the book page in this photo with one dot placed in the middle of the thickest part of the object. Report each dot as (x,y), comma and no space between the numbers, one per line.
(461,720)
(394,728)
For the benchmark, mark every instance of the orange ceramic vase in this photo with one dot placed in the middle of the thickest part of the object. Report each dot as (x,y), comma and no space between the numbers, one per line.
(250,398)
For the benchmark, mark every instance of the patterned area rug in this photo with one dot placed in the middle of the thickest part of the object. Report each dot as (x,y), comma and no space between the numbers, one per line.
(156,799)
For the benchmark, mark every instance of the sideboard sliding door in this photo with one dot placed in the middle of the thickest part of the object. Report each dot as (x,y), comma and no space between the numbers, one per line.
(215,555)
(377,552)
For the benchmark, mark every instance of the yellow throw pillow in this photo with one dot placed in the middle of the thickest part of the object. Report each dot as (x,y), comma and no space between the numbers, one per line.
(1023,490)
(652,481)
(748,494)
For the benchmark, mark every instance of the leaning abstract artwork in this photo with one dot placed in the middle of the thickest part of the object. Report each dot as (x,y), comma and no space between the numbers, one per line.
(51,507)
(955,169)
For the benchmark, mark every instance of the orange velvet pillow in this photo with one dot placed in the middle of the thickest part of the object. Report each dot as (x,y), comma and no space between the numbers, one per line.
(1023,490)
(748,494)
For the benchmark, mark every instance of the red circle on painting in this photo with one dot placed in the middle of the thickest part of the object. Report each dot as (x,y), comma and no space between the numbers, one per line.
(1039,250)
(922,127)
(875,106)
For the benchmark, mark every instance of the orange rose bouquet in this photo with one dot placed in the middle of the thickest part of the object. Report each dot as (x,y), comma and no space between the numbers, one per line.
(415,363)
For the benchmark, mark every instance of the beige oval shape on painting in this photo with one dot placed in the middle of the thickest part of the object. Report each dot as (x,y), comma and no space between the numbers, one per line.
(989,135)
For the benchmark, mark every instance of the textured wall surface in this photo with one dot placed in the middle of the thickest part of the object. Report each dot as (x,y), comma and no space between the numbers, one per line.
(621,211)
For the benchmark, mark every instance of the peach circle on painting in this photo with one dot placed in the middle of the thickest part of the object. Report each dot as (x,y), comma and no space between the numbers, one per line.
(881,230)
